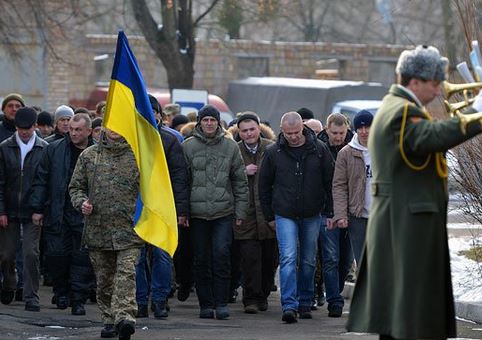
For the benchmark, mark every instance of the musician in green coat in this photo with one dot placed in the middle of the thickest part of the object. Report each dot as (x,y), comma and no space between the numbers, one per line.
(404,288)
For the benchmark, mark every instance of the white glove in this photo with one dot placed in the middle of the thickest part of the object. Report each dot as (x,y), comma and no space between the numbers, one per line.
(477,104)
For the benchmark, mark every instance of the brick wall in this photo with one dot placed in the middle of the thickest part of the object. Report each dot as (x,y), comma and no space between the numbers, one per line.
(217,63)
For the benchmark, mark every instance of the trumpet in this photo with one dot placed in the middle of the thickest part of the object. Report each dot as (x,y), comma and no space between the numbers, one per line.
(450,89)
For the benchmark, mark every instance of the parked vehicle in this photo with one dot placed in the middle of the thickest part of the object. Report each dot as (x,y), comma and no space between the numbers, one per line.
(351,107)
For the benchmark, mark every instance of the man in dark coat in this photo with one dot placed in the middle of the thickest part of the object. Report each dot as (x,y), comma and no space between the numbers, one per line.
(257,240)
(294,188)
(19,157)
(67,262)
(404,288)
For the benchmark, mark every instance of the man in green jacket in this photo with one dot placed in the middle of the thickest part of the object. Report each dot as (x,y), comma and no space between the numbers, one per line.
(404,289)
(218,198)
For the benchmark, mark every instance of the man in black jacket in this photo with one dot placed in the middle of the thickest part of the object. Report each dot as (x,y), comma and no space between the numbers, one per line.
(294,188)
(67,262)
(19,156)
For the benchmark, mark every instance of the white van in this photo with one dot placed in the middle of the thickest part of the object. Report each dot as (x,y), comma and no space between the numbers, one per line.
(351,107)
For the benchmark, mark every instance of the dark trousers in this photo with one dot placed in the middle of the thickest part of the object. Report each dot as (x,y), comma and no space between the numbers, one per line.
(183,258)
(236,274)
(212,259)
(258,264)
(9,237)
(68,263)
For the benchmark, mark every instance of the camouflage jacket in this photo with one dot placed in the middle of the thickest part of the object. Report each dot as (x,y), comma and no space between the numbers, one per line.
(114,186)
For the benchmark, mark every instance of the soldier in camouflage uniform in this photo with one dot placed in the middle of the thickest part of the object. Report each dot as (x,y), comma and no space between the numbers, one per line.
(107,196)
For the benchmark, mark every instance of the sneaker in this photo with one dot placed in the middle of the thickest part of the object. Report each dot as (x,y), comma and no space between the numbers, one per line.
(183,293)
(19,294)
(313,304)
(78,308)
(108,331)
(335,311)
(320,300)
(305,312)
(62,302)
(159,309)
(222,312)
(251,309)
(289,316)
(125,329)
(263,306)
(6,296)
(206,313)
(142,311)
(32,307)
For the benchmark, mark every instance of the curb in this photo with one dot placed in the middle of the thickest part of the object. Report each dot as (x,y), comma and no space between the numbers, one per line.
(469,310)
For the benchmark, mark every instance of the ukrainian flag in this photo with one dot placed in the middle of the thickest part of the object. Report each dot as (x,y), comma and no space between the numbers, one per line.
(129,113)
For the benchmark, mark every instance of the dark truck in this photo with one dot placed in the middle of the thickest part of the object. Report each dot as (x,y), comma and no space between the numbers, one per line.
(271,97)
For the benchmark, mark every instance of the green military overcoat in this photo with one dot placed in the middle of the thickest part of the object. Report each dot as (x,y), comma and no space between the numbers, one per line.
(404,284)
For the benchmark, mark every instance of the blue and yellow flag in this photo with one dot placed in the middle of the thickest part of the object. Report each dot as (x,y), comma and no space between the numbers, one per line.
(129,113)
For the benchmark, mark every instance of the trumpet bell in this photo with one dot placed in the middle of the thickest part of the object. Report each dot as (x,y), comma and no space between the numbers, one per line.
(449,89)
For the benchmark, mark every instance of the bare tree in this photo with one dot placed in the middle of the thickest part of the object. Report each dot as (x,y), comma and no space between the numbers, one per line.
(173,40)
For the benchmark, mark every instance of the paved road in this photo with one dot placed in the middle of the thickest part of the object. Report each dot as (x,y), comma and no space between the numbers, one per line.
(181,324)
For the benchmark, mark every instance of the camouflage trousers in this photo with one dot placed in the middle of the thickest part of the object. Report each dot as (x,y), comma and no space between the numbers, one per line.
(115,271)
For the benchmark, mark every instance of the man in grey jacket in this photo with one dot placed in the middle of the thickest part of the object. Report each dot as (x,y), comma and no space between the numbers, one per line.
(218,197)
(351,184)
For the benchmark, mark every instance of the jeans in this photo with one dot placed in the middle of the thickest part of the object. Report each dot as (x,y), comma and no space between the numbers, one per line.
(357,227)
(337,261)
(211,242)
(153,276)
(297,243)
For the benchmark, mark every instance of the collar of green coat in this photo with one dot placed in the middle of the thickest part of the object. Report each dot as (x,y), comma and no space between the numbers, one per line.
(198,133)
(401,91)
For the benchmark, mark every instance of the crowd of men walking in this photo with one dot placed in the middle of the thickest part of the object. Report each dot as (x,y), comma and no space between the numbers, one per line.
(246,201)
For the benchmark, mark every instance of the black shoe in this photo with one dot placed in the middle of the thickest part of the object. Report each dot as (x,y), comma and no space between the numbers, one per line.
(335,311)
(93,296)
(54,300)
(19,294)
(159,309)
(78,308)
(126,329)
(142,311)
(274,288)
(289,316)
(233,296)
(108,331)
(305,312)
(32,307)
(313,305)
(6,296)
(62,302)
(183,293)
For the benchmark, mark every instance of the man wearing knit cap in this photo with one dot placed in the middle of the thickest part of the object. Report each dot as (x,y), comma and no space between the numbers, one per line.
(19,157)
(62,117)
(351,184)
(404,285)
(45,124)
(218,198)
(179,121)
(10,104)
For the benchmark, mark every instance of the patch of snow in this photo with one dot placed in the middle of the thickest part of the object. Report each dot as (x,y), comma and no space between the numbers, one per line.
(466,273)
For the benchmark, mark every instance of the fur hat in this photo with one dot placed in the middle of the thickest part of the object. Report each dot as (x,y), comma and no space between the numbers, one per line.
(25,118)
(63,111)
(208,111)
(12,96)
(362,118)
(423,62)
